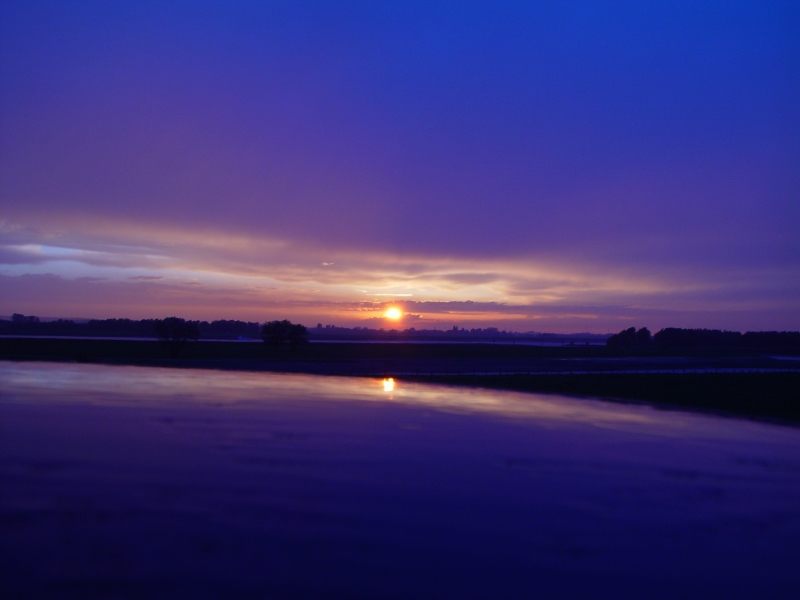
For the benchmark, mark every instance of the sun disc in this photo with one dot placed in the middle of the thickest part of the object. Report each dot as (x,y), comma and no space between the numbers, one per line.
(393,313)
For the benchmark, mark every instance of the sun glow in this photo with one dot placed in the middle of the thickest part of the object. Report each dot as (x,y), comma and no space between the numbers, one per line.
(388,384)
(393,313)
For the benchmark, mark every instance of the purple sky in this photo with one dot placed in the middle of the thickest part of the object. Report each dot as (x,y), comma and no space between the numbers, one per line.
(534,166)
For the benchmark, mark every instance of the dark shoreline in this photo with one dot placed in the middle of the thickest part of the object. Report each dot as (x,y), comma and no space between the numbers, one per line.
(760,387)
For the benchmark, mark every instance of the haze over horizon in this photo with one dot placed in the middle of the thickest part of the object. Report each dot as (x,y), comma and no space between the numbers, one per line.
(554,167)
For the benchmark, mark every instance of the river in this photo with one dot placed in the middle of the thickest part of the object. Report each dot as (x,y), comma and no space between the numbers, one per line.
(148,482)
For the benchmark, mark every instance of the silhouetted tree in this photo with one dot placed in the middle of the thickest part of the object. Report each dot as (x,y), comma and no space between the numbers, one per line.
(283,333)
(175,333)
(624,339)
(775,341)
(630,339)
(20,318)
(676,339)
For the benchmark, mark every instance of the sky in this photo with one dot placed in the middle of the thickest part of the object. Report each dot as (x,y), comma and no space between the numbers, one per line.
(533,166)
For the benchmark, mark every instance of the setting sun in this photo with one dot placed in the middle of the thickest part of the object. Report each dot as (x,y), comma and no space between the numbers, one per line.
(393,313)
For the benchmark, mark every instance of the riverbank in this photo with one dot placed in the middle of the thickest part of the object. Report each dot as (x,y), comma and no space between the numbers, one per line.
(763,387)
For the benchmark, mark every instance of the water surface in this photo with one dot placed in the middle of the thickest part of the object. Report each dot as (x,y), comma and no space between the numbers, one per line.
(144,482)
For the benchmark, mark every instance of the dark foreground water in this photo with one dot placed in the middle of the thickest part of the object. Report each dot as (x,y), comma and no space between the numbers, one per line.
(120,482)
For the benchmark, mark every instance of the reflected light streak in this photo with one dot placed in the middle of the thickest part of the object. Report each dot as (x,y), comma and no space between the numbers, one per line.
(102,385)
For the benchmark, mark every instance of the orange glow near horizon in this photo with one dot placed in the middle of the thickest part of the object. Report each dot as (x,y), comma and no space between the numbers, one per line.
(393,313)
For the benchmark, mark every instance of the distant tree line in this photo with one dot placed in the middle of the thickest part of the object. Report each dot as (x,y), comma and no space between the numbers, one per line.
(146,328)
(175,332)
(455,334)
(284,333)
(230,330)
(687,340)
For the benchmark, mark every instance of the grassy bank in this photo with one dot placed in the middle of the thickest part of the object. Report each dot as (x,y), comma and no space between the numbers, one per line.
(108,349)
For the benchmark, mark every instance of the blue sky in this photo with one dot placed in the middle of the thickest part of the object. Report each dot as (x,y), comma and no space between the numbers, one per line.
(538,166)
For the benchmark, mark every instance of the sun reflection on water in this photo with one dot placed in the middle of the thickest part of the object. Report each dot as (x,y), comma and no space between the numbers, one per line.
(153,386)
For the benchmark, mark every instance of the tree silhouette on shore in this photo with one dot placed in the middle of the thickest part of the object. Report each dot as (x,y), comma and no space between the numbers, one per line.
(175,332)
(629,339)
(284,333)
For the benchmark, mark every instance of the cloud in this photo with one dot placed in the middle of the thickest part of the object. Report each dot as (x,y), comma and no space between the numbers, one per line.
(225,274)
